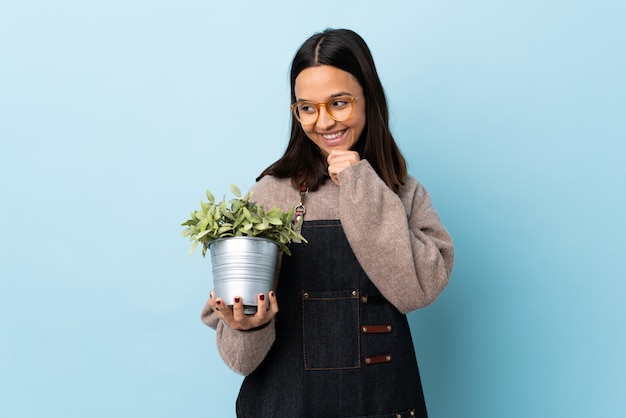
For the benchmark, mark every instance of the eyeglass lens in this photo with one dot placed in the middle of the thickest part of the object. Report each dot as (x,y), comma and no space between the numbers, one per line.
(338,108)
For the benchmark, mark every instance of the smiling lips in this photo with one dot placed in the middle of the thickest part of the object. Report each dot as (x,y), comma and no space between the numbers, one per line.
(334,138)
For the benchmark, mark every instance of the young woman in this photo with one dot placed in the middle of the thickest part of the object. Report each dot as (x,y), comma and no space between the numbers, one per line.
(340,346)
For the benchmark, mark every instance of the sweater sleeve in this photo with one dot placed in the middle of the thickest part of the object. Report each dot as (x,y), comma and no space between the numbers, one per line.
(398,238)
(242,351)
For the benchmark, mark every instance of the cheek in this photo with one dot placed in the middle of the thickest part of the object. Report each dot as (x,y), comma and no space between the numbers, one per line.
(359,119)
(309,131)
(359,126)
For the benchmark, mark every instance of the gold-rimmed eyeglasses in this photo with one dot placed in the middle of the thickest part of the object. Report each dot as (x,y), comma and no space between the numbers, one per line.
(338,108)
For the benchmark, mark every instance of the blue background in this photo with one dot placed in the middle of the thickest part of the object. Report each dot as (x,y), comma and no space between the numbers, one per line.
(115,116)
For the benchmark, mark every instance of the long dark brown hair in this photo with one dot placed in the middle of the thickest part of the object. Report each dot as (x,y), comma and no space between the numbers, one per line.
(303,161)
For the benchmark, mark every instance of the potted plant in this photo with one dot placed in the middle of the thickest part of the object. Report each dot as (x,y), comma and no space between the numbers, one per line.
(244,241)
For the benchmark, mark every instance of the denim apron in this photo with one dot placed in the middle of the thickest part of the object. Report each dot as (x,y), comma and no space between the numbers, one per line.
(341,349)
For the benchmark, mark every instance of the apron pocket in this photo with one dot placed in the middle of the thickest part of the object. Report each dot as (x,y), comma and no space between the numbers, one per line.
(331,330)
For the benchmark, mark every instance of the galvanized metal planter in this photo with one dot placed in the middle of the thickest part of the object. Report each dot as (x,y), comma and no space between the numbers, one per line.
(244,267)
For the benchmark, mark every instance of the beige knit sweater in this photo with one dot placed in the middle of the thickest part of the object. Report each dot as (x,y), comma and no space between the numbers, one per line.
(398,239)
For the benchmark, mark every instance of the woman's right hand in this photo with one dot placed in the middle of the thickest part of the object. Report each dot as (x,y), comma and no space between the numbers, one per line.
(236,319)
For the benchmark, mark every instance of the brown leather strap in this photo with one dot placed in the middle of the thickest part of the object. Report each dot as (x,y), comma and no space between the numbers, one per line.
(384,358)
(376,329)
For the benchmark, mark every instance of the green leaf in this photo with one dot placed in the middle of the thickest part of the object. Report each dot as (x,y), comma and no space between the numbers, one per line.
(236,191)
(239,220)
(224,228)
(202,235)
(261,227)
(274,220)
(193,247)
(186,232)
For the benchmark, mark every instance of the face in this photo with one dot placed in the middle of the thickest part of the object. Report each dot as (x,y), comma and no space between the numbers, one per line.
(319,85)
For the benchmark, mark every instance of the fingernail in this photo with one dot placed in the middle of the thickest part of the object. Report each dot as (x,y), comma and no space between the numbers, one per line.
(272,293)
(262,296)
(218,301)
(237,299)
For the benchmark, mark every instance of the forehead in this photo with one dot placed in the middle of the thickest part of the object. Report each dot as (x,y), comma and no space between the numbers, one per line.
(324,81)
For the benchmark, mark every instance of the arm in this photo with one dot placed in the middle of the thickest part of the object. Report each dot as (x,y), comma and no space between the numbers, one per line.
(242,351)
(398,239)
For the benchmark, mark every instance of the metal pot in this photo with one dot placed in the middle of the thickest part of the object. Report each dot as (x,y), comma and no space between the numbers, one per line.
(244,267)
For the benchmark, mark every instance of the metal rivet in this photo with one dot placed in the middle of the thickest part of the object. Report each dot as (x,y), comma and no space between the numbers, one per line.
(364,299)
(355,293)
(368,360)
(412,413)
(398,416)
(364,329)
(388,358)
(306,295)
(389,328)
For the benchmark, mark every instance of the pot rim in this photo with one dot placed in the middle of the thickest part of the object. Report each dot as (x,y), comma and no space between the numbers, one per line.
(245,237)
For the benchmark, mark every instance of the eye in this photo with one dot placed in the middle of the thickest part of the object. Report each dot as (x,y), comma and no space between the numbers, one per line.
(306,107)
(339,102)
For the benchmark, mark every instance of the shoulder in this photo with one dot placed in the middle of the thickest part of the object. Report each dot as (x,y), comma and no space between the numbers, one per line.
(272,186)
(271,191)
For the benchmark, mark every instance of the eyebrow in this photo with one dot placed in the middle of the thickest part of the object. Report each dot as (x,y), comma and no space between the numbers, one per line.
(332,96)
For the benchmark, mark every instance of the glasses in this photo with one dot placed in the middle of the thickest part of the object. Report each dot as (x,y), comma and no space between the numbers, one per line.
(338,108)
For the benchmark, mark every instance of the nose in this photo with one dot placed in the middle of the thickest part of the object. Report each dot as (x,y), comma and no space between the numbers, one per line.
(324,121)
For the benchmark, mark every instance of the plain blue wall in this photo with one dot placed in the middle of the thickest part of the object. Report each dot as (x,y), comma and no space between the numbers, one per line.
(116,116)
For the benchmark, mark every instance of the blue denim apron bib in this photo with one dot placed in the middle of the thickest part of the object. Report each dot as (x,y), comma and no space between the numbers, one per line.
(341,349)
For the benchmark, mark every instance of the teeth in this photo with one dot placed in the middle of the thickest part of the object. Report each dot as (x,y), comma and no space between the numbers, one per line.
(333,136)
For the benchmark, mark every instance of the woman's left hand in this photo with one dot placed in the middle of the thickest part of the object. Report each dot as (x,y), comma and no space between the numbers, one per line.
(236,319)
(338,160)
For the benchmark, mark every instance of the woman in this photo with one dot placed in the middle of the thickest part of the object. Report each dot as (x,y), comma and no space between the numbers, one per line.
(340,345)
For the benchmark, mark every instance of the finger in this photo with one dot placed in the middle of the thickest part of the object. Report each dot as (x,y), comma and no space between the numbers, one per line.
(222,311)
(262,307)
(338,152)
(339,165)
(262,303)
(265,312)
(212,300)
(238,314)
(343,156)
(273,303)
